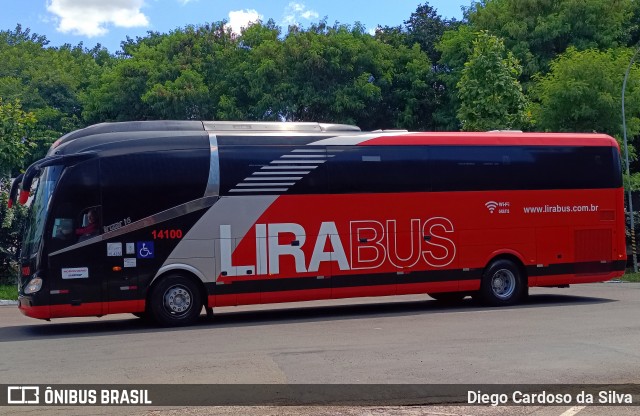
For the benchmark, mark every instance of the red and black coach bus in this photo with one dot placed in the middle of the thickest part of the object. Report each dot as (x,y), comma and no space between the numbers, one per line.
(161,218)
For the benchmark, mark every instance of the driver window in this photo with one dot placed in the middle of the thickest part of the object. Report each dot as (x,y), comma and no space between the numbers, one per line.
(76,209)
(89,224)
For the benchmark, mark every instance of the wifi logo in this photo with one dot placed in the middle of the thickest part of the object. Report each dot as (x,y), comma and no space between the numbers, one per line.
(491,206)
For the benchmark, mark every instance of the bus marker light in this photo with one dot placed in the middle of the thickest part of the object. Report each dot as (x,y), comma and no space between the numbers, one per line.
(117,269)
(24,196)
(26,270)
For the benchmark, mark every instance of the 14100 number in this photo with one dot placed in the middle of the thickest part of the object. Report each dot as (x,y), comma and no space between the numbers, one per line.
(168,234)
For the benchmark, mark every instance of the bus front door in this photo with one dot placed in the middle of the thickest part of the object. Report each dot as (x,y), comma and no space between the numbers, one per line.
(75,252)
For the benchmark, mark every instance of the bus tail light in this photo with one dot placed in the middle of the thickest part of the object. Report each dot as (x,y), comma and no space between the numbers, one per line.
(34,285)
(14,190)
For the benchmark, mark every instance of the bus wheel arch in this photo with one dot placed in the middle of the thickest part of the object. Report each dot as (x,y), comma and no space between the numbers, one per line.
(504,281)
(176,298)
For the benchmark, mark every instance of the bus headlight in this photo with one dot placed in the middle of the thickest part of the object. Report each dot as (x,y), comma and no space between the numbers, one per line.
(34,285)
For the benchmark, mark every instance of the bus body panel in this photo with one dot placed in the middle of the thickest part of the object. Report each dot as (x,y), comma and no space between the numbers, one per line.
(275,217)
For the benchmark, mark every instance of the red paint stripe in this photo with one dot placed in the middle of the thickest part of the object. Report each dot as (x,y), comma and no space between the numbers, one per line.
(495,139)
(362,291)
(565,279)
(295,295)
(38,312)
(125,306)
(211,301)
(438,287)
(469,285)
(85,309)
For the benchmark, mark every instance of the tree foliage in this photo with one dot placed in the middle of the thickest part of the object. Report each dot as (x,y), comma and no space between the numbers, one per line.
(11,225)
(325,73)
(490,95)
(15,143)
(582,93)
(49,82)
(536,31)
(404,76)
(426,27)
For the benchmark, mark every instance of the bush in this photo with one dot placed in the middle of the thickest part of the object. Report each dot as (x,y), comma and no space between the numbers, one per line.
(11,225)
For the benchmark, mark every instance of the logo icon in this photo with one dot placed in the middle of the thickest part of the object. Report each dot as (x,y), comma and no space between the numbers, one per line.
(23,395)
(491,206)
(144,249)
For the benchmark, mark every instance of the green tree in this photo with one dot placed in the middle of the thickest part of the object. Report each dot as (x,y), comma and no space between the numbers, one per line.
(582,93)
(489,91)
(179,75)
(342,74)
(183,98)
(48,81)
(536,31)
(455,47)
(11,225)
(15,143)
(426,27)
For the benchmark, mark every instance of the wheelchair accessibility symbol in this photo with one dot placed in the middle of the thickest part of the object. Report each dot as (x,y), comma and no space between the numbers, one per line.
(144,249)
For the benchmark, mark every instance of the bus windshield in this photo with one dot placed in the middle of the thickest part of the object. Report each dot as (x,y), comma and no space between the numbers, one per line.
(39,208)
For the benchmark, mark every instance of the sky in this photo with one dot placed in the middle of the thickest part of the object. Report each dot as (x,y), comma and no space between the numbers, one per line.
(109,22)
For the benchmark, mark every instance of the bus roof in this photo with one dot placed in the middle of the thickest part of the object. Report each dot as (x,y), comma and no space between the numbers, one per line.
(194,125)
(328,134)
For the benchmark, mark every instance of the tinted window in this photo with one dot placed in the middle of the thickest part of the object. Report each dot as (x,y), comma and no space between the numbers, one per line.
(372,169)
(532,167)
(381,169)
(264,170)
(138,185)
(474,168)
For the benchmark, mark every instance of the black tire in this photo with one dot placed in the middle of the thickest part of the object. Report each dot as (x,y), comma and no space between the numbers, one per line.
(503,284)
(175,301)
(448,297)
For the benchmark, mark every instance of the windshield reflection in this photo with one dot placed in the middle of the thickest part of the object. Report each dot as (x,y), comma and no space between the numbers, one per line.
(39,209)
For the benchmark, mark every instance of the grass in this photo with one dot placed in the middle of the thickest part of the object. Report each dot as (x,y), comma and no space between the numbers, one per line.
(631,277)
(8,292)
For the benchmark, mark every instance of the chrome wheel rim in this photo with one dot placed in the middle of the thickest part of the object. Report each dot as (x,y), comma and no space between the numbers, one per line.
(177,300)
(503,284)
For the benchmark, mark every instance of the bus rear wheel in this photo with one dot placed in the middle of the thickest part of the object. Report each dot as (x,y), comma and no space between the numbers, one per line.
(503,284)
(175,301)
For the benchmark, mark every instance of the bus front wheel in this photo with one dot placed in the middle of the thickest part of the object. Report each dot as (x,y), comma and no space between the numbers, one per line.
(175,301)
(503,284)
